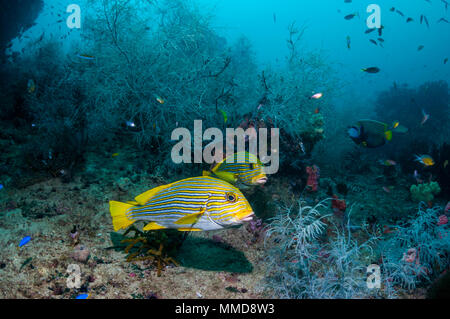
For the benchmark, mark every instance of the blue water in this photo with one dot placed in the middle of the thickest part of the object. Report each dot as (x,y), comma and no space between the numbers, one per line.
(326,29)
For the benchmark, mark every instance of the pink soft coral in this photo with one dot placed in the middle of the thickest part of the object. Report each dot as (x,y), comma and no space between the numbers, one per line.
(338,205)
(313,178)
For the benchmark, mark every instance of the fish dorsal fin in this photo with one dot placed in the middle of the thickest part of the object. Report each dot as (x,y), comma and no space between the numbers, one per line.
(145,197)
(153,226)
(206,173)
(216,167)
(226,176)
(190,219)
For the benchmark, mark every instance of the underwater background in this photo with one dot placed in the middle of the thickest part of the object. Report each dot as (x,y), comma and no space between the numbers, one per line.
(360,203)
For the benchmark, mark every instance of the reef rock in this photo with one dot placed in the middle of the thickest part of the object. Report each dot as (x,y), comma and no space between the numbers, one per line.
(81,253)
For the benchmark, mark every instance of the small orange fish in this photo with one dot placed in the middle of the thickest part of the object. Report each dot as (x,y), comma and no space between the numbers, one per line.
(316,111)
(426,160)
(317,96)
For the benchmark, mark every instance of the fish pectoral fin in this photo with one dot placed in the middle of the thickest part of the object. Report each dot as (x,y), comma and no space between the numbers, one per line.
(243,186)
(153,226)
(145,197)
(190,219)
(132,202)
(189,229)
(226,176)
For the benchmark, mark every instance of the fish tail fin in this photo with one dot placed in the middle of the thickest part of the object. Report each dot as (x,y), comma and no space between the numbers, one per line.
(363,70)
(118,212)
(206,173)
(388,135)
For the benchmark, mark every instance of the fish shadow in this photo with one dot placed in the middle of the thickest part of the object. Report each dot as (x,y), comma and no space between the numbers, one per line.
(197,253)
(206,254)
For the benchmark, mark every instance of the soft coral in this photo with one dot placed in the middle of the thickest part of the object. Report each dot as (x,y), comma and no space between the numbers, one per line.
(338,205)
(313,178)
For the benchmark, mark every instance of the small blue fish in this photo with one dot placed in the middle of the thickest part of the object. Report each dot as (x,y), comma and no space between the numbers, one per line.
(24,241)
(85,57)
(130,124)
(1,186)
(82,296)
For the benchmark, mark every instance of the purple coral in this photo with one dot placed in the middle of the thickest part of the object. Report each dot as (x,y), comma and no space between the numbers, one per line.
(256,228)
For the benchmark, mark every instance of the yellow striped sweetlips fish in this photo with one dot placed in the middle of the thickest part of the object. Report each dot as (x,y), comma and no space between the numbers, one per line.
(245,168)
(192,204)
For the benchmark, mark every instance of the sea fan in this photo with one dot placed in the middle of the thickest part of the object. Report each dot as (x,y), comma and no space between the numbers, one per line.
(301,265)
(428,246)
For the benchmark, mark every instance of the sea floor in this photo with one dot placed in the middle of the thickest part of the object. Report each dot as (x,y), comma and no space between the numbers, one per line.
(48,210)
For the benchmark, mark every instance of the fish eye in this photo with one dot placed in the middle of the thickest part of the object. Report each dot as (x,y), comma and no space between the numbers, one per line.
(252,166)
(231,197)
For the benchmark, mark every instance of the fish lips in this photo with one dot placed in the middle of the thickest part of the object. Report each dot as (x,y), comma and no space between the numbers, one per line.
(245,217)
(261,181)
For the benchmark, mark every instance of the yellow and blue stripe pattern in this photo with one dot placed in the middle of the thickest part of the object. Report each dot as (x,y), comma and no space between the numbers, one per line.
(192,204)
(241,167)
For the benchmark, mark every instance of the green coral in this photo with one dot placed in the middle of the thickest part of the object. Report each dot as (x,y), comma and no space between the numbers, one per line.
(424,192)
(316,120)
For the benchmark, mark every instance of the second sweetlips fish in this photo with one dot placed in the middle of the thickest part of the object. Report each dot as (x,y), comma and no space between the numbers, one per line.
(243,167)
(192,204)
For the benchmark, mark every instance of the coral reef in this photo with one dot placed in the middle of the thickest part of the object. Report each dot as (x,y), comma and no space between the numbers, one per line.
(338,205)
(313,178)
(433,97)
(417,251)
(298,253)
(92,122)
(424,192)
